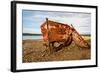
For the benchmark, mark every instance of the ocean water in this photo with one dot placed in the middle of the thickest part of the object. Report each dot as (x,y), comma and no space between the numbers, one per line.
(32,37)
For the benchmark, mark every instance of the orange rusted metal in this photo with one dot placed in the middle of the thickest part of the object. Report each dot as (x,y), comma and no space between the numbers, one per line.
(58,32)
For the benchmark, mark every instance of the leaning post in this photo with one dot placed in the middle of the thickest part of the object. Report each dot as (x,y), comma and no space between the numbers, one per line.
(48,30)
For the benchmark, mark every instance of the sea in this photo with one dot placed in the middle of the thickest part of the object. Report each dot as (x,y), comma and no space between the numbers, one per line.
(32,37)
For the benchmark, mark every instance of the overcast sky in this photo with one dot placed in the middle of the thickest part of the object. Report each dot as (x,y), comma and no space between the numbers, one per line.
(33,19)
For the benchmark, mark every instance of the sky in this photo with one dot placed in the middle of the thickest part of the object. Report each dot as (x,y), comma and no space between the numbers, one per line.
(33,19)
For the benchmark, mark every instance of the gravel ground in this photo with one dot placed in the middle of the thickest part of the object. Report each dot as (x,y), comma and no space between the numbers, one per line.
(34,51)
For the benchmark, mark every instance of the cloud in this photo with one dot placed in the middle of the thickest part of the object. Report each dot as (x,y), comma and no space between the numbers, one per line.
(32,30)
(33,19)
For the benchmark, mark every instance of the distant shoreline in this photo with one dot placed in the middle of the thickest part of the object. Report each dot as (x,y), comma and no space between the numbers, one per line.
(25,34)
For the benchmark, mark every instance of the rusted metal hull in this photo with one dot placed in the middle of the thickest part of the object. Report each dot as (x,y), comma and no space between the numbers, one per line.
(57,31)
(60,35)
(79,41)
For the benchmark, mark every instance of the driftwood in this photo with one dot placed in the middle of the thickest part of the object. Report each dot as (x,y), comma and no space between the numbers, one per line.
(58,35)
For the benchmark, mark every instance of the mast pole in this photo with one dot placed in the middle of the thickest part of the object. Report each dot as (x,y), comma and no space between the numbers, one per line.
(48,33)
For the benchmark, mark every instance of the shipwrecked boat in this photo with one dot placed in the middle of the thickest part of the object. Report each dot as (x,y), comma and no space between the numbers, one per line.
(58,35)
